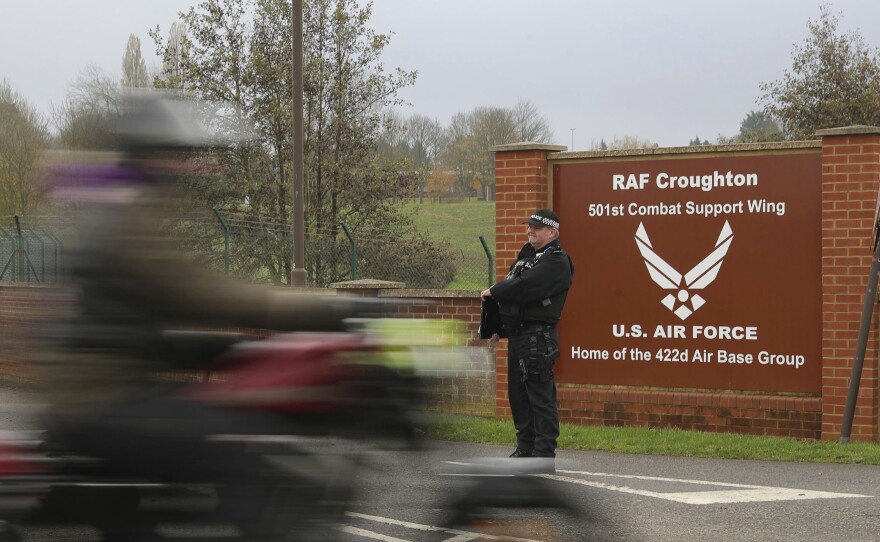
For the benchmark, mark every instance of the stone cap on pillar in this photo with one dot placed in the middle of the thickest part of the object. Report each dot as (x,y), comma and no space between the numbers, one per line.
(849,130)
(366,287)
(528,146)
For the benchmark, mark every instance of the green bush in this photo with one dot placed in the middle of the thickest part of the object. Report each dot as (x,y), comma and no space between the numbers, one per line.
(418,263)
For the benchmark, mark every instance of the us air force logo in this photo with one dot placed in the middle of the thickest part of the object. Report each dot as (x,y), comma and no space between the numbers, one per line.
(683,304)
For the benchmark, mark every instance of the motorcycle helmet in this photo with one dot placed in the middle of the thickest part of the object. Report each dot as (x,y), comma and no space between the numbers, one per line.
(172,120)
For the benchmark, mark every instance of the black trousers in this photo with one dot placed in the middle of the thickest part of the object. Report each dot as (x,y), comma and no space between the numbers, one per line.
(532,390)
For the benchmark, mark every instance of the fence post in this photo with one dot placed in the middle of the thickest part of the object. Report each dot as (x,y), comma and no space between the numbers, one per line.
(36,235)
(491,262)
(23,255)
(225,239)
(354,249)
(58,267)
(19,250)
(11,256)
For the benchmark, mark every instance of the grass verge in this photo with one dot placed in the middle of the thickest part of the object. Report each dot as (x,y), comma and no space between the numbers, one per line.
(671,442)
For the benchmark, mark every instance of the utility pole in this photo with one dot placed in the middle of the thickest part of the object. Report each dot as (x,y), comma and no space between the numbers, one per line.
(298,274)
(572,138)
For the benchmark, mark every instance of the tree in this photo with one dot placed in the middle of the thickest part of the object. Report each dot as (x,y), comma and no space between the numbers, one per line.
(530,124)
(626,142)
(83,119)
(175,57)
(234,55)
(758,127)
(492,126)
(441,181)
(418,139)
(134,69)
(462,155)
(348,90)
(469,136)
(94,90)
(426,139)
(23,137)
(463,147)
(393,140)
(834,81)
(696,142)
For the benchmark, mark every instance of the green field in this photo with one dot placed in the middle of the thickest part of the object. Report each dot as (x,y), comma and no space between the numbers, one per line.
(461,224)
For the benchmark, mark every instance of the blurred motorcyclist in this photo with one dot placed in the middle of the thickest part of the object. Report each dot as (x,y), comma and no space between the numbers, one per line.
(134,283)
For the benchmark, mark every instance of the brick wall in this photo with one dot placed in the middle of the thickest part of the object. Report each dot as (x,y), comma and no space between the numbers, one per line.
(23,309)
(850,169)
(782,416)
(470,388)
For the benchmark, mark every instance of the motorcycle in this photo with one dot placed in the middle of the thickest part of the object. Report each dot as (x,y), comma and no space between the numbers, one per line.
(339,386)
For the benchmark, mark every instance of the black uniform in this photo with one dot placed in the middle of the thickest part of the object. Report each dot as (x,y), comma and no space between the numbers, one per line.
(530,304)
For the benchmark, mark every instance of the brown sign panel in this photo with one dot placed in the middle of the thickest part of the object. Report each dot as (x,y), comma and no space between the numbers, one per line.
(695,272)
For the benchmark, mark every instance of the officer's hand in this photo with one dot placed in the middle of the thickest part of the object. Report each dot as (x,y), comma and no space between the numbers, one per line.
(485,294)
(494,338)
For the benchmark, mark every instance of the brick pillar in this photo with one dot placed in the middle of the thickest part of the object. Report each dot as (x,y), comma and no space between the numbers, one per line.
(522,186)
(850,173)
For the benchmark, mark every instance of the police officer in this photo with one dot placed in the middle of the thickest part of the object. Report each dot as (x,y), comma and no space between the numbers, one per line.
(530,303)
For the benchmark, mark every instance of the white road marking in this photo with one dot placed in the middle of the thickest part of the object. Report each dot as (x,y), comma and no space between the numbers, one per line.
(737,494)
(369,534)
(460,536)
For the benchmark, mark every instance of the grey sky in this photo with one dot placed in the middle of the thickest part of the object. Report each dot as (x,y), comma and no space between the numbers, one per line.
(666,71)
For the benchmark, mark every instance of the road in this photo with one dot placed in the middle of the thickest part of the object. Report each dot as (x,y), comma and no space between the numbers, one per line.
(616,497)
(635,497)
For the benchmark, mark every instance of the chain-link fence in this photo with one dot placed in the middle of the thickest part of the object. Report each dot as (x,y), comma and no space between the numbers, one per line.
(29,255)
(32,249)
(336,252)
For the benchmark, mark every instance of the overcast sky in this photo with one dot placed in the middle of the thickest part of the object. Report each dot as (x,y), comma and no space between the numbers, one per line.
(666,70)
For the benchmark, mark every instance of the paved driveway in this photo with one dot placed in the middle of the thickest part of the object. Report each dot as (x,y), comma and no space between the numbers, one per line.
(617,497)
(632,497)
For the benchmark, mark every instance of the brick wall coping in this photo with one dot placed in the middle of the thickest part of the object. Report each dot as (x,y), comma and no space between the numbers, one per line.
(398,289)
(35,285)
(527,146)
(694,149)
(368,284)
(849,130)
(67,286)
(429,292)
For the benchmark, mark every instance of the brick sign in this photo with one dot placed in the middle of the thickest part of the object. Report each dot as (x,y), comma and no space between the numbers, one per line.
(693,271)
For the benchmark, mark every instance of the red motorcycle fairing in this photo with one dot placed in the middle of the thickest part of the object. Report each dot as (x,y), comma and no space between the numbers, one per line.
(321,384)
(288,373)
(19,455)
